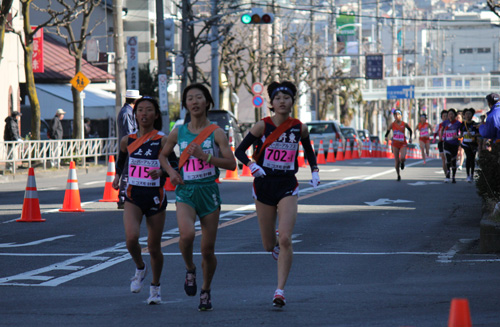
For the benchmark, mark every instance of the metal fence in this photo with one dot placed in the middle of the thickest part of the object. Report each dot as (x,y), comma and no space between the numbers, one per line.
(13,153)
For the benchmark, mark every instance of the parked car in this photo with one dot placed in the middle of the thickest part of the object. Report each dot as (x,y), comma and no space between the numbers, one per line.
(326,131)
(351,135)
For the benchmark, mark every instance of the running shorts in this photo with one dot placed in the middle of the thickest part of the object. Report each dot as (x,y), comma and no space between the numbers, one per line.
(398,144)
(270,190)
(440,146)
(204,198)
(425,139)
(151,200)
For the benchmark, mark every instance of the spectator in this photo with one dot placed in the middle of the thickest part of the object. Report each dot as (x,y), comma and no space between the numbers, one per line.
(56,133)
(87,127)
(11,133)
(126,125)
(491,128)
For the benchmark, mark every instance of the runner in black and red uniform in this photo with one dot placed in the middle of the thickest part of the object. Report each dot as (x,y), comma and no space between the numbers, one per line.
(275,187)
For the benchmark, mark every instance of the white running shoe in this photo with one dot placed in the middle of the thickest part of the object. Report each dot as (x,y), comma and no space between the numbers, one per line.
(137,281)
(154,295)
(469,179)
(279,298)
(447,180)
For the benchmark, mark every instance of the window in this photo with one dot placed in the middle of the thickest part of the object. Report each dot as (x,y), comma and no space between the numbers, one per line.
(463,51)
(483,50)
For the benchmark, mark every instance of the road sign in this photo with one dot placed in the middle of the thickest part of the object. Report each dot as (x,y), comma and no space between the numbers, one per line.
(258,101)
(257,88)
(80,81)
(400,92)
(374,66)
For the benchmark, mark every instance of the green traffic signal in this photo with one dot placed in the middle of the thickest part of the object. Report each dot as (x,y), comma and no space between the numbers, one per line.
(246,19)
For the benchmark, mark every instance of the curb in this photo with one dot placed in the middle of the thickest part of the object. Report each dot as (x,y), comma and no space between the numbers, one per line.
(489,235)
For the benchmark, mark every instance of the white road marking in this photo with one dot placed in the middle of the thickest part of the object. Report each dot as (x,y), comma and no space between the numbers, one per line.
(381,202)
(50,239)
(94,182)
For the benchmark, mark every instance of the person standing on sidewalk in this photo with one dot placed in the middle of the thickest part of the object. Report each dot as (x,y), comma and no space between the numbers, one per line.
(126,125)
(399,145)
(275,186)
(204,149)
(56,133)
(491,128)
(145,195)
(11,133)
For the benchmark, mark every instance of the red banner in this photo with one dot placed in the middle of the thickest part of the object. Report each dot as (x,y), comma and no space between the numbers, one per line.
(37,61)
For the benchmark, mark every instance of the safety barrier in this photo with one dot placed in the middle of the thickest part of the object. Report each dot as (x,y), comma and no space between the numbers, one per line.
(15,153)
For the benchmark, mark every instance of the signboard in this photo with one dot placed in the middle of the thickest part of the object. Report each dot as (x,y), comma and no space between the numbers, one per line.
(93,50)
(80,81)
(258,101)
(37,60)
(400,92)
(344,19)
(132,63)
(374,66)
(257,88)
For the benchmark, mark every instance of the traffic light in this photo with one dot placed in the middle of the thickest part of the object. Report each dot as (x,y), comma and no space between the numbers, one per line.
(257,17)
(169,67)
(169,34)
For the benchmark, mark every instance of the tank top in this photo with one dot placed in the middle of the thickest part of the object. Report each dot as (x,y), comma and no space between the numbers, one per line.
(450,131)
(398,132)
(196,170)
(469,132)
(280,157)
(142,160)
(423,130)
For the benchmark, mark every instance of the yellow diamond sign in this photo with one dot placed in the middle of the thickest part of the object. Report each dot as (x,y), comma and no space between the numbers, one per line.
(80,81)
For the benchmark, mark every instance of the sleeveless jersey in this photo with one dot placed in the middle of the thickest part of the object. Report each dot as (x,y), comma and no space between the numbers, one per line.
(142,160)
(398,132)
(469,132)
(196,170)
(424,131)
(451,130)
(280,157)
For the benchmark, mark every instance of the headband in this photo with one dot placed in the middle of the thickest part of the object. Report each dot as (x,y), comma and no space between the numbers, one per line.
(397,111)
(283,89)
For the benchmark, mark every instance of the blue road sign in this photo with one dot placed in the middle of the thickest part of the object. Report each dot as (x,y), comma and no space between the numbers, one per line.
(258,101)
(401,92)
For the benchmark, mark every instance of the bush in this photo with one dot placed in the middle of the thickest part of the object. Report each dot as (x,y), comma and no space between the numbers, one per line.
(488,183)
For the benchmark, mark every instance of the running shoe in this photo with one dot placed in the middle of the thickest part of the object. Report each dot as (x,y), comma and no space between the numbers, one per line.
(279,298)
(137,281)
(447,180)
(205,301)
(469,179)
(154,295)
(190,283)
(453,181)
(460,167)
(276,251)
(402,165)
(399,178)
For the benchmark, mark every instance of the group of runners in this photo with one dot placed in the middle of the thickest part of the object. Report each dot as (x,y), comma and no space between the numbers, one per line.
(204,148)
(457,135)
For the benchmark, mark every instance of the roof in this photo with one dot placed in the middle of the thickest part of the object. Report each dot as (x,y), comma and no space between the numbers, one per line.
(60,65)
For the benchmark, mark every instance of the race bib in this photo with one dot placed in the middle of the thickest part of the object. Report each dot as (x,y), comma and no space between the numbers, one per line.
(398,136)
(450,135)
(138,172)
(280,155)
(424,132)
(195,168)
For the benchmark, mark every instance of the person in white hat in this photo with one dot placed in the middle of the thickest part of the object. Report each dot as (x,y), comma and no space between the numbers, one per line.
(56,133)
(126,125)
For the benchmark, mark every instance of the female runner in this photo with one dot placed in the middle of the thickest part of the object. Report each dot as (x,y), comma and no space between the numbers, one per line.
(399,145)
(424,129)
(469,130)
(204,149)
(275,187)
(450,135)
(144,194)
(437,133)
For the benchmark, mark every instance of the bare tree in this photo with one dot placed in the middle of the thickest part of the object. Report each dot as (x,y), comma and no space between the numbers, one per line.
(494,6)
(4,12)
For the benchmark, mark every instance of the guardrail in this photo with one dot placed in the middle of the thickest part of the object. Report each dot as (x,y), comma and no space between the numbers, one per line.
(13,153)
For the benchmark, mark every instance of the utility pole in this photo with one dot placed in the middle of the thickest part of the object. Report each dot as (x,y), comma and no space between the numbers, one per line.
(335,61)
(215,56)
(162,65)
(119,54)
(360,64)
(185,40)
(314,100)
(394,41)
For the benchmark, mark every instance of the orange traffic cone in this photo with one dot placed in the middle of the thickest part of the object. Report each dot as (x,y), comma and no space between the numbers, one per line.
(168,185)
(459,314)
(340,151)
(72,195)
(110,194)
(232,174)
(31,205)
(348,153)
(365,153)
(321,154)
(355,151)
(246,171)
(300,158)
(330,157)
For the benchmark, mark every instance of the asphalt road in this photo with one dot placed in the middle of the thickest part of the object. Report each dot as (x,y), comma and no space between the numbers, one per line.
(369,251)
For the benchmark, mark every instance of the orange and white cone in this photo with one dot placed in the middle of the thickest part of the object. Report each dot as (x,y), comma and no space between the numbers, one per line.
(232,174)
(321,154)
(72,195)
(330,157)
(348,153)
(355,151)
(340,151)
(110,194)
(300,159)
(31,205)
(459,313)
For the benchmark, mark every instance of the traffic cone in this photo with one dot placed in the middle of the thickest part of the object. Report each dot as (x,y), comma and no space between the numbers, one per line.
(110,194)
(365,152)
(72,195)
(355,151)
(232,174)
(300,158)
(340,151)
(321,154)
(348,154)
(31,205)
(246,172)
(168,185)
(459,313)
(330,157)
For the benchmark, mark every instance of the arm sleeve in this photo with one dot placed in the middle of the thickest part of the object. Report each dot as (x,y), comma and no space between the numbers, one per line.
(409,129)
(120,163)
(244,145)
(309,152)
(387,133)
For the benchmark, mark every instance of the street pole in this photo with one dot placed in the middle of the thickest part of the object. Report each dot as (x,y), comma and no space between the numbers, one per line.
(314,100)
(119,54)
(215,56)
(184,46)
(335,61)
(162,66)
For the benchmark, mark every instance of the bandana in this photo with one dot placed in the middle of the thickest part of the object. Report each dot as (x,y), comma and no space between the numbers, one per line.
(283,89)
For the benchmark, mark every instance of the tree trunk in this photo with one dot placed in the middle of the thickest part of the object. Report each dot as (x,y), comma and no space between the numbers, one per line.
(5,8)
(77,103)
